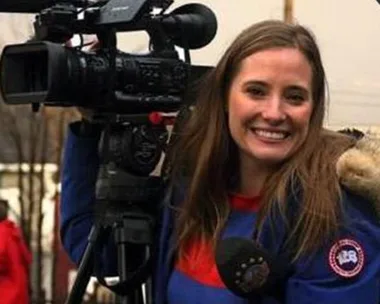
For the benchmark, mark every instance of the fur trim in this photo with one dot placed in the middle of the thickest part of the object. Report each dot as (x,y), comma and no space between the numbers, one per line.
(359,169)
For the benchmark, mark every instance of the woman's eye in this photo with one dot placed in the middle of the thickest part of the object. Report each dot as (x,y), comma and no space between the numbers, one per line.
(296,98)
(256,92)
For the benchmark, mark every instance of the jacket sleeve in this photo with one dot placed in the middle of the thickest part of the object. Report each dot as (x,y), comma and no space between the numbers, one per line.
(347,269)
(79,175)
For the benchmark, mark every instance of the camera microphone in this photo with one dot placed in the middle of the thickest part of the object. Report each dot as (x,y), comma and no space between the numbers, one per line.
(191,26)
(248,270)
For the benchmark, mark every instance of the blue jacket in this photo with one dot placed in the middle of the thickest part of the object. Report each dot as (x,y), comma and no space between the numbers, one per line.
(346,270)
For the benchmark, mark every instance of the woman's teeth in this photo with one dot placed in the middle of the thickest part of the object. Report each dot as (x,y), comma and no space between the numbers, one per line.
(271,134)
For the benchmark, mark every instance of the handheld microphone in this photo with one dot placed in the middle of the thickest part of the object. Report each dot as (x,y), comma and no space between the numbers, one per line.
(248,270)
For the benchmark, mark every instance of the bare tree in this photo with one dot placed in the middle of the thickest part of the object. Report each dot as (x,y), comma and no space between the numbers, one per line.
(33,140)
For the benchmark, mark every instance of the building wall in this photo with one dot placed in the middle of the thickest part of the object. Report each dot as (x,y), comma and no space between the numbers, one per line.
(15,28)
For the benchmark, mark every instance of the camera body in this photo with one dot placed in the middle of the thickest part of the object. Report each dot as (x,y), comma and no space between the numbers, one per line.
(48,71)
(62,76)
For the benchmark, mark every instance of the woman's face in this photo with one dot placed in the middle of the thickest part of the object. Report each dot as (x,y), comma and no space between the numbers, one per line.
(270,105)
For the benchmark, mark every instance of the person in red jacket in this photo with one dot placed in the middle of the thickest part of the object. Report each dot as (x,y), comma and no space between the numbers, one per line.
(15,259)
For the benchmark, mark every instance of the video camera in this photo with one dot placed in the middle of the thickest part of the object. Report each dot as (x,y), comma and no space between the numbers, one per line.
(48,71)
(123,90)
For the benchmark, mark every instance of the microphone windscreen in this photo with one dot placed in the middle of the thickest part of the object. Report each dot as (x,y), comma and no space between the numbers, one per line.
(191,26)
(247,269)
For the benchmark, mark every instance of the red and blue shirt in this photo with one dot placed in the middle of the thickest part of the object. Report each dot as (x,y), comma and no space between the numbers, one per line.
(195,278)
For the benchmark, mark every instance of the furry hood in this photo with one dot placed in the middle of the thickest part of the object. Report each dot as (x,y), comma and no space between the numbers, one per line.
(359,169)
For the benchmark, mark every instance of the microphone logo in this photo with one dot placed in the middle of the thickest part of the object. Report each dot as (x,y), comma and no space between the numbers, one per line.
(252,275)
(248,270)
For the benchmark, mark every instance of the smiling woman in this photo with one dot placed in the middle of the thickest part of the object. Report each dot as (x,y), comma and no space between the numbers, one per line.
(264,104)
(264,142)
(252,161)
(269,109)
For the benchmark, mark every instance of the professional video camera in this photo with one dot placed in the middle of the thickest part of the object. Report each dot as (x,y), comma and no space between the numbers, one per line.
(132,97)
(47,72)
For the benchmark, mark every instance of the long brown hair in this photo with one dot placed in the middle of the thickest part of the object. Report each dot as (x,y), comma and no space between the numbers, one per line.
(205,151)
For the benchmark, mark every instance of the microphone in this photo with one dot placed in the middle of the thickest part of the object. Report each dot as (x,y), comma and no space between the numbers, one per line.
(248,270)
(191,25)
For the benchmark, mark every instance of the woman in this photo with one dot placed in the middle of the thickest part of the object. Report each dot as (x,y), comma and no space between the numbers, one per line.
(255,162)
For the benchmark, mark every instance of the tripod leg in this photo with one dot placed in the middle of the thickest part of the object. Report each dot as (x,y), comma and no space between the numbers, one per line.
(85,269)
(136,296)
(148,288)
(148,292)
(122,266)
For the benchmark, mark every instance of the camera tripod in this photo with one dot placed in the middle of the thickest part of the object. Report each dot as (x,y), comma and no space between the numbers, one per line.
(125,211)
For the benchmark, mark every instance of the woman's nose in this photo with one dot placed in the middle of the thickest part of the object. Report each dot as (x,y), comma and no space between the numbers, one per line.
(273,110)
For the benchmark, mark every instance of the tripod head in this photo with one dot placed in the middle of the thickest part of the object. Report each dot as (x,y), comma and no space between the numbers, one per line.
(127,194)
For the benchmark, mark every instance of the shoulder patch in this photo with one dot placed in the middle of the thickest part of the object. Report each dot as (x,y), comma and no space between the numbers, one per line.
(346,258)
